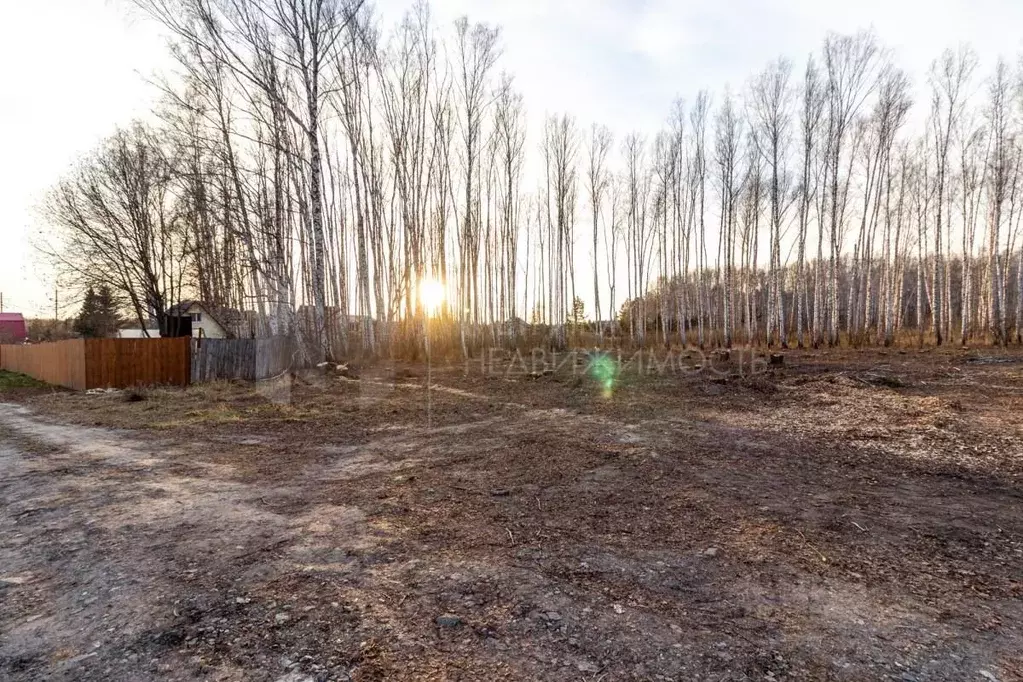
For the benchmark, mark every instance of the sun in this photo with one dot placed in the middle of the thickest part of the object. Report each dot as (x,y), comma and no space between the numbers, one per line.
(431,294)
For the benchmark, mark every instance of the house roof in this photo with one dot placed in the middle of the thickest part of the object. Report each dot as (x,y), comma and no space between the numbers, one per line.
(222,316)
(183,306)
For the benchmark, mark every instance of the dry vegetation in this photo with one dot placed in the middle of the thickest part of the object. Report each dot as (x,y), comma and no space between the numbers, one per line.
(844,517)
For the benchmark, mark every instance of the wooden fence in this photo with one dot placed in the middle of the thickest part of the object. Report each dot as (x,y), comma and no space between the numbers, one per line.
(102,363)
(247,359)
(61,363)
(119,363)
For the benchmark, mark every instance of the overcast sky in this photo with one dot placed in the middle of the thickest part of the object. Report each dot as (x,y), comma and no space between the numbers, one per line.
(72,70)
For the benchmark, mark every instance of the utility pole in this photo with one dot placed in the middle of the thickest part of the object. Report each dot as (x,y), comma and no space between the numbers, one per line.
(56,315)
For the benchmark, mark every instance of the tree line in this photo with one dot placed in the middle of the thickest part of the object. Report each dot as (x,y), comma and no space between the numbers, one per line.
(315,167)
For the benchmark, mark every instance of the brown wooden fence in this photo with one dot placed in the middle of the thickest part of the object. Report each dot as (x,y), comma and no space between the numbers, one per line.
(103,363)
(119,363)
(61,363)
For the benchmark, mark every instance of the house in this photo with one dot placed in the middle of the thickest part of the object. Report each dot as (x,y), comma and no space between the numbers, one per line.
(205,322)
(13,328)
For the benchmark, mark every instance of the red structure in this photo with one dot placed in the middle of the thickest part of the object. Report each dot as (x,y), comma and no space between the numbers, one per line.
(12,328)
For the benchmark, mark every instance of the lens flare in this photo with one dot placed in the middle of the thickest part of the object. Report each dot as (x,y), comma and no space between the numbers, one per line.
(431,295)
(605,371)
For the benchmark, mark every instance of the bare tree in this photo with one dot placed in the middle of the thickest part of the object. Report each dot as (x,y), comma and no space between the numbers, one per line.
(698,120)
(999,121)
(510,132)
(727,149)
(597,179)
(477,53)
(560,150)
(949,79)
(811,118)
(772,103)
(851,64)
(120,225)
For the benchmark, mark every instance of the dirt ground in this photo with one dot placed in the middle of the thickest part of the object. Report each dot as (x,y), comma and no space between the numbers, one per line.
(848,516)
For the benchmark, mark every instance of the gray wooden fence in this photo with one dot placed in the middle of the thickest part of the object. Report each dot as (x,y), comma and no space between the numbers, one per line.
(247,359)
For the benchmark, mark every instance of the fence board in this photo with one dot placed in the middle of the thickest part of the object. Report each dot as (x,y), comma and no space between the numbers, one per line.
(61,363)
(120,363)
(102,363)
(246,359)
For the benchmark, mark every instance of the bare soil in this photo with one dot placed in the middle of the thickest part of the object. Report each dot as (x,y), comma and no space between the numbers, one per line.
(848,516)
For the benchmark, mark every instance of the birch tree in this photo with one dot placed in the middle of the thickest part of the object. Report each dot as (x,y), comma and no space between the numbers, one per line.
(597,180)
(949,77)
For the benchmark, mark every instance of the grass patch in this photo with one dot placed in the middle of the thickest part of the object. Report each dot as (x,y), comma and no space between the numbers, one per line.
(11,380)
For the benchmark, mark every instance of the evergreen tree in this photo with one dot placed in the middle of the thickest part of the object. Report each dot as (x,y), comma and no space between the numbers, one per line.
(99,317)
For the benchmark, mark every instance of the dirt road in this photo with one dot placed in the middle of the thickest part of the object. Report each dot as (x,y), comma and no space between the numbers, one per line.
(102,538)
(814,527)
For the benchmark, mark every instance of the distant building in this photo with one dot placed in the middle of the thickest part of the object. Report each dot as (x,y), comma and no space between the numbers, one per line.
(206,322)
(13,328)
(332,319)
(152,331)
(211,322)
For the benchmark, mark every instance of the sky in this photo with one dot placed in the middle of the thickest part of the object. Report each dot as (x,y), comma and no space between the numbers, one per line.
(71,71)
